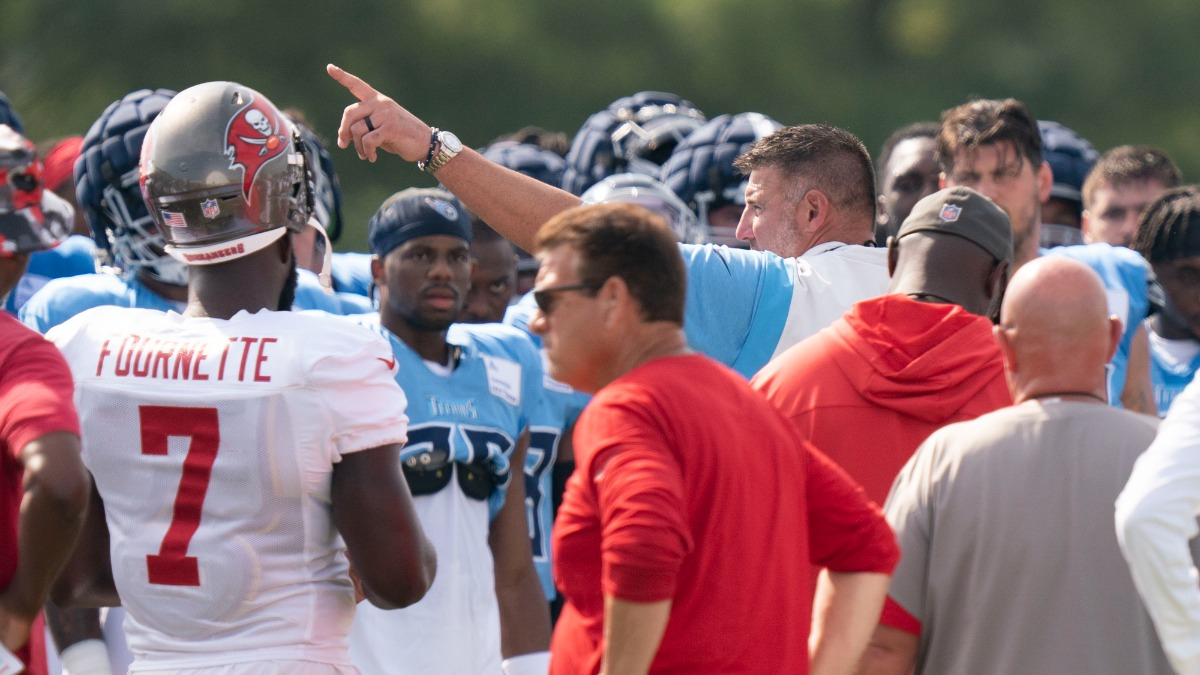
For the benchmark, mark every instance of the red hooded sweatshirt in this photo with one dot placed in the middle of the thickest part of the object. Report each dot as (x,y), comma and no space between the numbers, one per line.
(872,386)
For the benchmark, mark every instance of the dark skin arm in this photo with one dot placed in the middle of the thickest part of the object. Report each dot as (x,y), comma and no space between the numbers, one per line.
(373,510)
(73,625)
(86,580)
(52,512)
(524,615)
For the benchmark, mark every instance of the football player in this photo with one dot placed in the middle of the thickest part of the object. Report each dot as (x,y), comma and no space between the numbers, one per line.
(264,441)
(474,388)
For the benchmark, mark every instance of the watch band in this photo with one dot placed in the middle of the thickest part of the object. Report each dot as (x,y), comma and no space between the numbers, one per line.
(448,147)
(433,143)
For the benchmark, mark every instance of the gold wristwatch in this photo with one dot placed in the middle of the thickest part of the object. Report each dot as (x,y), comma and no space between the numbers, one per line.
(445,146)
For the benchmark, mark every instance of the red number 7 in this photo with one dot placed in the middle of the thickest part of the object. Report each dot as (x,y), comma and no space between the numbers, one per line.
(173,566)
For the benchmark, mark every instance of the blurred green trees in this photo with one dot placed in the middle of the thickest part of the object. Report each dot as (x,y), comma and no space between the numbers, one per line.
(1116,73)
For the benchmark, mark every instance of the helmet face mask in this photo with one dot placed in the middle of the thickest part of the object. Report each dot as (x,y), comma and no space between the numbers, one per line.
(225,174)
(633,134)
(701,168)
(634,188)
(133,237)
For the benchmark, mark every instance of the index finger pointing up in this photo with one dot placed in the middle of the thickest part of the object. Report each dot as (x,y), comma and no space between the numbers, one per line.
(361,90)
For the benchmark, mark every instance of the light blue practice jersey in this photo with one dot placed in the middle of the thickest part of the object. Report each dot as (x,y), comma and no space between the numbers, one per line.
(561,408)
(1169,378)
(74,256)
(476,414)
(745,307)
(61,299)
(310,294)
(1126,280)
(352,273)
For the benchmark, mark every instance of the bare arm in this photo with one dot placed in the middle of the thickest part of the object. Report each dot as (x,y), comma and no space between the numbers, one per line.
(373,510)
(1138,393)
(512,203)
(845,611)
(632,633)
(524,614)
(890,652)
(86,580)
(52,512)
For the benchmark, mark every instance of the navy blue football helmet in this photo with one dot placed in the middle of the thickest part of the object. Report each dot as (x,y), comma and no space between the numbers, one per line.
(701,169)
(634,134)
(9,116)
(1071,158)
(107,188)
(531,160)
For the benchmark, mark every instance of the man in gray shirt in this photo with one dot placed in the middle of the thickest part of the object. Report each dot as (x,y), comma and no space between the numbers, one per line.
(1009,562)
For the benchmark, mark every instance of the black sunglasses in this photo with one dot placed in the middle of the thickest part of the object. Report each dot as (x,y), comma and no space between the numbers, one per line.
(546,297)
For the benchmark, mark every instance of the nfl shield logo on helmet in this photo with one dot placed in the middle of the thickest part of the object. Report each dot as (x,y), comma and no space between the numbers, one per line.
(210,208)
(950,212)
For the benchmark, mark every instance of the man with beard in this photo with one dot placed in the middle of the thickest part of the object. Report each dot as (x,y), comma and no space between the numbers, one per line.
(241,455)
(475,389)
(995,148)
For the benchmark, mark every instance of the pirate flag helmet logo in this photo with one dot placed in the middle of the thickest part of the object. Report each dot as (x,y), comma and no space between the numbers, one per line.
(256,134)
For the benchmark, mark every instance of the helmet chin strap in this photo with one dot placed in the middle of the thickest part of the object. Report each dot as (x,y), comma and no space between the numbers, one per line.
(326,273)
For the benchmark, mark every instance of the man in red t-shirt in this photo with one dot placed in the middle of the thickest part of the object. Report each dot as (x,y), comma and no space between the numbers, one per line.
(676,548)
(43,485)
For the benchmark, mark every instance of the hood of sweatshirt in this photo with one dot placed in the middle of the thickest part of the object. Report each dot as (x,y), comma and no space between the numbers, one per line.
(922,359)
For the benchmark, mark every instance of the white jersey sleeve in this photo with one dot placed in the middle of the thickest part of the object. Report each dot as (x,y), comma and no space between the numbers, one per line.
(1155,519)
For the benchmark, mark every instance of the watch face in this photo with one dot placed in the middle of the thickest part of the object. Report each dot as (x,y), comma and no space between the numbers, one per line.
(451,142)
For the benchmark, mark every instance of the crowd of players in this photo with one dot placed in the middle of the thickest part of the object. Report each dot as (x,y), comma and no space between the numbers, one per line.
(858,296)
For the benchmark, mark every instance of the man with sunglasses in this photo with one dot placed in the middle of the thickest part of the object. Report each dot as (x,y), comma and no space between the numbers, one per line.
(474,389)
(664,523)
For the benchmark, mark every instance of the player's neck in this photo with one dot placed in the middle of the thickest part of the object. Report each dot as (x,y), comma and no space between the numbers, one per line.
(430,345)
(171,292)
(1169,329)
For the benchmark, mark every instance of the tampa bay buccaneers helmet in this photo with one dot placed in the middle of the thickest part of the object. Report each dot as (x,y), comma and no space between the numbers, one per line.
(633,134)
(225,174)
(31,217)
(701,170)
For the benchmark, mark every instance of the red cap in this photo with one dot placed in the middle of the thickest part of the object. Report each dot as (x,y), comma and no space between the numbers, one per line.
(60,161)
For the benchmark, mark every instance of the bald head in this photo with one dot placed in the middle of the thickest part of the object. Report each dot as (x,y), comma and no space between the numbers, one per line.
(1055,330)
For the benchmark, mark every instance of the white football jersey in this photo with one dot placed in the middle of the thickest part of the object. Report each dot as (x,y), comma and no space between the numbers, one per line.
(213,443)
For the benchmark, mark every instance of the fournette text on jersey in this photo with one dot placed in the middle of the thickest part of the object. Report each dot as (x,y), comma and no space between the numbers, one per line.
(239,359)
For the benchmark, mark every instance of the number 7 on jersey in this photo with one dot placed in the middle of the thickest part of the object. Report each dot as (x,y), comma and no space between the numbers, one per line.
(172,566)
